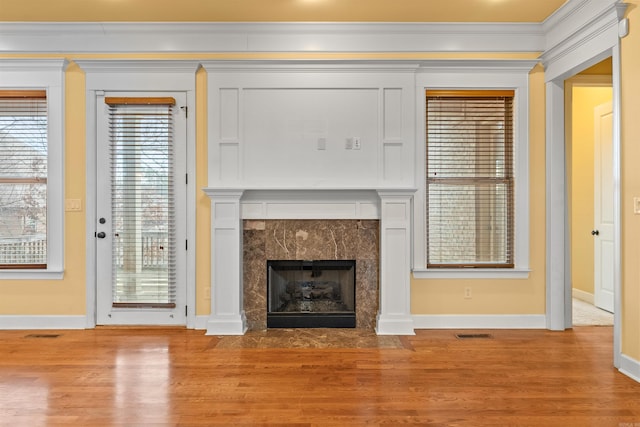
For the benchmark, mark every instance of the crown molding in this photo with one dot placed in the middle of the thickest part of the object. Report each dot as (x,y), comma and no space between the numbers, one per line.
(577,23)
(193,37)
(367,65)
(137,66)
(31,64)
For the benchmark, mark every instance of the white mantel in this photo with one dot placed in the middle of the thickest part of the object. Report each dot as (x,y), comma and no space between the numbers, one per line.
(392,206)
(281,146)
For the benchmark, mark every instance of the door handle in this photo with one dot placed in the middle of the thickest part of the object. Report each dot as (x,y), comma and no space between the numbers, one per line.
(595,233)
(101,235)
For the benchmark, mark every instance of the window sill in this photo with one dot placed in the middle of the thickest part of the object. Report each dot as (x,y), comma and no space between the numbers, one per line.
(31,274)
(471,273)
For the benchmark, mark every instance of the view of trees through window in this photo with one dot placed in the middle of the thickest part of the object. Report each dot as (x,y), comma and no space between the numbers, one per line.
(142,198)
(23,181)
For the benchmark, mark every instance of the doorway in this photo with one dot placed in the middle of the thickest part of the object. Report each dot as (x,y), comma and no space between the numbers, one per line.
(590,178)
(141,208)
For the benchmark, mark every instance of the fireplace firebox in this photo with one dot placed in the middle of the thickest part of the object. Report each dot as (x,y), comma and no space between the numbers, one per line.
(311,294)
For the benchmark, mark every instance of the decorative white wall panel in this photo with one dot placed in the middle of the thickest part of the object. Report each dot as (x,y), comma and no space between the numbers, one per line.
(283,128)
(297,124)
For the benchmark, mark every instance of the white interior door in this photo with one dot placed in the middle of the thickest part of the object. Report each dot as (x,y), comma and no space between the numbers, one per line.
(141,209)
(603,209)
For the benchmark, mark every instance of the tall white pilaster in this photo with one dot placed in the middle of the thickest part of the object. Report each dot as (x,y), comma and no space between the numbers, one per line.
(394,316)
(227,313)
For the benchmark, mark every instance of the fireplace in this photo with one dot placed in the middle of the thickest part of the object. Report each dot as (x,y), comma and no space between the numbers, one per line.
(249,227)
(311,294)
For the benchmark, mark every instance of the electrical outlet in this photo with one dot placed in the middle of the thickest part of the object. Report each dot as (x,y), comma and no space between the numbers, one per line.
(467,293)
(207,293)
(356,143)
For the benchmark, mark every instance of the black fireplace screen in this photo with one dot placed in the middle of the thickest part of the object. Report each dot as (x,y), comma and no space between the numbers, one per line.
(307,294)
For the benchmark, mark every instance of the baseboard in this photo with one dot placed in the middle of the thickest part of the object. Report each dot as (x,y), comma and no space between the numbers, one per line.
(226,324)
(394,325)
(582,295)
(42,322)
(472,321)
(630,367)
(201,322)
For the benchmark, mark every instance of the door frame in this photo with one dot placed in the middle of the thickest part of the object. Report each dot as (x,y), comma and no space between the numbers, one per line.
(138,76)
(558,254)
(584,81)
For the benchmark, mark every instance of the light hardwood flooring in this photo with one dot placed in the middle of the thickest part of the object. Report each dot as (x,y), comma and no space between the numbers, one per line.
(177,377)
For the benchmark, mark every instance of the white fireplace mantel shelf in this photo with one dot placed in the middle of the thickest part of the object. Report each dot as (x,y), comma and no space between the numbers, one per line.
(230,205)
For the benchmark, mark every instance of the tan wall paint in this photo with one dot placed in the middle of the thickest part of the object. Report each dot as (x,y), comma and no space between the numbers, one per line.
(66,296)
(630,139)
(524,296)
(279,10)
(203,203)
(585,99)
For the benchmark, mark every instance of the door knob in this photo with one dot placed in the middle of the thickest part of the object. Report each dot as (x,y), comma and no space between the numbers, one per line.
(101,235)
(595,233)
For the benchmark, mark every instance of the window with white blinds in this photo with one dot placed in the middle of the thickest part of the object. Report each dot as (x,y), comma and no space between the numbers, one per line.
(143,202)
(470,179)
(23,179)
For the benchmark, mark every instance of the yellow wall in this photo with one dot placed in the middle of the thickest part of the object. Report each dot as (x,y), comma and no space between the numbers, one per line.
(68,296)
(522,296)
(584,100)
(630,99)
(278,10)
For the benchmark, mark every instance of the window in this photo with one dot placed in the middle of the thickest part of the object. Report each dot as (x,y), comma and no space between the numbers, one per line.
(32,168)
(470,179)
(141,147)
(23,179)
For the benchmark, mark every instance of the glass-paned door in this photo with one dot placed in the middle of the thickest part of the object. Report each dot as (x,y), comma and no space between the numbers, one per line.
(140,227)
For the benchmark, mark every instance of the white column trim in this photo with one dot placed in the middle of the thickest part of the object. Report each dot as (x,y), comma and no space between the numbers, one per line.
(394,315)
(227,313)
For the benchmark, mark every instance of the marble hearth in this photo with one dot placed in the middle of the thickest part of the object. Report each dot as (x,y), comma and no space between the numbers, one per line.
(249,226)
(310,240)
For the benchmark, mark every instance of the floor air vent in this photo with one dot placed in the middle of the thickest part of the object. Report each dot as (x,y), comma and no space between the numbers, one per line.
(43,336)
(473,336)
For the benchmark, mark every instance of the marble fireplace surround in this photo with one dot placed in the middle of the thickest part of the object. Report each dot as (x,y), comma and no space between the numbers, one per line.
(239,214)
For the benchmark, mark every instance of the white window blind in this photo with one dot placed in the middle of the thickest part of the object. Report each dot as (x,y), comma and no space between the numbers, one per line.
(470,179)
(143,202)
(23,179)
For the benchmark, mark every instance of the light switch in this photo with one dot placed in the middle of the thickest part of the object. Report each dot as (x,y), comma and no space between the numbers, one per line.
(322,143)
(636,205)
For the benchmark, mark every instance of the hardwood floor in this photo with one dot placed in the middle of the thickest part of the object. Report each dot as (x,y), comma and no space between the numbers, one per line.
(139,377)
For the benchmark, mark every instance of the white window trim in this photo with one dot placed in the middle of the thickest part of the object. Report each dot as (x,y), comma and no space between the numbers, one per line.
(47,74)
(476,74)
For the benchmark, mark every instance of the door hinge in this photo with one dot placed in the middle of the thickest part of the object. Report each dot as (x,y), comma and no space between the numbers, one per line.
(186,111)
(185,310)
(186,178)
(186,245)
